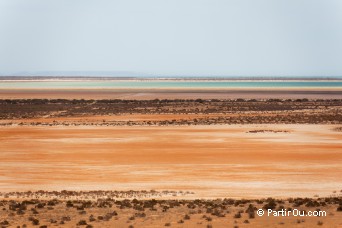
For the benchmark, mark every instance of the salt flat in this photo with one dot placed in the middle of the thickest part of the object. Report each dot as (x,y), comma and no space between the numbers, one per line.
(213,161)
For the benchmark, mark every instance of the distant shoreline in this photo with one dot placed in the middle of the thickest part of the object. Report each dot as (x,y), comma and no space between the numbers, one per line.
(147,94)
(157,88)
(92,78)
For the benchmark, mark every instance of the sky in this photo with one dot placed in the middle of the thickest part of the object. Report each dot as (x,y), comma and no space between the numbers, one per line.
(172,37)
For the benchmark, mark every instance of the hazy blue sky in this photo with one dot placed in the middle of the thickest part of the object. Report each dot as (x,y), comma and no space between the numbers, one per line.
(173,37)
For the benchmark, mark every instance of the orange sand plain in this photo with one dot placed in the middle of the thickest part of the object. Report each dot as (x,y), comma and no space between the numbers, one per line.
(212,161)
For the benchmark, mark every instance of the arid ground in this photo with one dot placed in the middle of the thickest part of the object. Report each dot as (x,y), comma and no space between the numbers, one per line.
(212,161)
(206,161)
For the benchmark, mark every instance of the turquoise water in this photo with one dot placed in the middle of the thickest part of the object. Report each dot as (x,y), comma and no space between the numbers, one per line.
(167,84)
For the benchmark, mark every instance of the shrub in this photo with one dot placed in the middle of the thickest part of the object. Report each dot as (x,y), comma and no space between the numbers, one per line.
(237,215)
(270,205)
(4,223)
(82,223)
(339,208)
(35,222)
(91,218)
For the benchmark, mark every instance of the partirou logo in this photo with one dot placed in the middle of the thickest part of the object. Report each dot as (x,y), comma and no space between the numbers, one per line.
(294,212)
